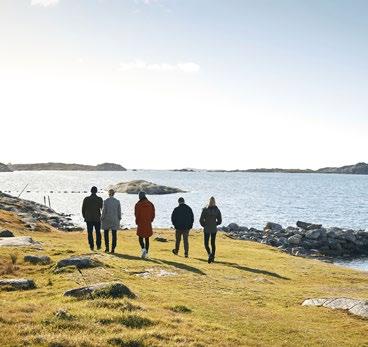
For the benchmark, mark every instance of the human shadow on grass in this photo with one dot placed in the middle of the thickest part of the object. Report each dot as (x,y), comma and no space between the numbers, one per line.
(161,262)
(249,269)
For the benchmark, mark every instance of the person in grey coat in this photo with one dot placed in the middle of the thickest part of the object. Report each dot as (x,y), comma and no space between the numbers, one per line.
(110,219)
(210,219)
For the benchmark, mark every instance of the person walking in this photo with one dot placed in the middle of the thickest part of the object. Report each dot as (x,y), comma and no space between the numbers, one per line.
(210,219)
(91,211)
(144,216)
(111,216)
(182,219)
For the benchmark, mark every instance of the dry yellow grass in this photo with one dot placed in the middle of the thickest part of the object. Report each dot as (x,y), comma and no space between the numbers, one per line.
(250,297)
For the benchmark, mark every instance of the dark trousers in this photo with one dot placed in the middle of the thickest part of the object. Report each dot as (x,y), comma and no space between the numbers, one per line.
(97,226)
(207,238)
(178,235)
(107,241)
(144,242)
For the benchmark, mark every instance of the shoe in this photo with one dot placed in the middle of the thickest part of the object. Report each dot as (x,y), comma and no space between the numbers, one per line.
(92,249)
(113,251)
(106,250)
(175,251)
(144,253)
(211,258)
(98,248)
(186,255)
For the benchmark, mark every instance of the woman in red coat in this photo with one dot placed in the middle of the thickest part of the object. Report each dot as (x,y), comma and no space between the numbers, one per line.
(144,216)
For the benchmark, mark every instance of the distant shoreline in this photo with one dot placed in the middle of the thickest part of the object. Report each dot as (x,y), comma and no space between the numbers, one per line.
(356,169)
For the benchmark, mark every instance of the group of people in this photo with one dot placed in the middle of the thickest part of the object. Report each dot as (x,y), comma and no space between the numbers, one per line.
(106,215)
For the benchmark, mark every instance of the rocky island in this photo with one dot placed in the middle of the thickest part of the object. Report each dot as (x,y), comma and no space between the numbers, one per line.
(66,167)
(356,169)
(4,168)
(134,187)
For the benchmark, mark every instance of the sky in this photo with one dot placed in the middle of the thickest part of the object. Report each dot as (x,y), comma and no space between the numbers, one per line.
(164,84)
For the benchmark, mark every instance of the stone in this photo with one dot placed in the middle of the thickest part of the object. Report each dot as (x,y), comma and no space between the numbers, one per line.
(313,234)
(354,306)
(295,239)
(273,227)
(134,187)
(161,239)
(308,226)
(105,290)
(6,233)
(82,262)
(233,227)
(18,284)
(20,241)
(38,259)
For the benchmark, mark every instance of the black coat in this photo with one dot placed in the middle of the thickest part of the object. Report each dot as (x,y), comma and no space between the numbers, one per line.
(210,219)
(182,217)
(91,209)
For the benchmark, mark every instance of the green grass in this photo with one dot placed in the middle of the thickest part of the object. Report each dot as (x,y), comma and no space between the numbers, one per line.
(250,296)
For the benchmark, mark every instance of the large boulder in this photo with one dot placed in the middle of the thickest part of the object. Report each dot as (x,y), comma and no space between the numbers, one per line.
(6,233)
(105,290)
(354,306)
(38,259)
(295,239)
(308,226)
(273,227)
(233,227)
(134,187)
(82,262)
(20,241)
(17,284)
(313,234)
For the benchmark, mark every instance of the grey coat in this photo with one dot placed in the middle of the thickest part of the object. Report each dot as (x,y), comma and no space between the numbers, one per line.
(210,219)
(111,214)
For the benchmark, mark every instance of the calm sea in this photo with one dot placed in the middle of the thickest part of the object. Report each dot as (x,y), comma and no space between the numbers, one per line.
(249,199)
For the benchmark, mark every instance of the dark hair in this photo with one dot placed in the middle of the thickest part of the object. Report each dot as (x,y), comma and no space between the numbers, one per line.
(94,190)
(181,200)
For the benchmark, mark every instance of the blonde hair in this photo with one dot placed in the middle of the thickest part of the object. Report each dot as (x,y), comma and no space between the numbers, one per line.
(212,202)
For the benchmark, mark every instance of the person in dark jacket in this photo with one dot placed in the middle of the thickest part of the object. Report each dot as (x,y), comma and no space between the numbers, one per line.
(182,219)
(91,211)
(210,219)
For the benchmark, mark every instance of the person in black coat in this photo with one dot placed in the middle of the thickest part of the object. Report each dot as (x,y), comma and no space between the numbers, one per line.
(182,218)
(91,211)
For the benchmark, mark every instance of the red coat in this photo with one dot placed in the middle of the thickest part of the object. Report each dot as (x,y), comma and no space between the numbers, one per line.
(144,216)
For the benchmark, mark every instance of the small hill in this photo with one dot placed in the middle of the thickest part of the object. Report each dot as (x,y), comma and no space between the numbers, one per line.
(4,168)
(67,167)
(357,169)
(134,187)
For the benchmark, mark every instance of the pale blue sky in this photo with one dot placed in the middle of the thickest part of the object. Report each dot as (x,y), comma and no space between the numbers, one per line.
(266,83)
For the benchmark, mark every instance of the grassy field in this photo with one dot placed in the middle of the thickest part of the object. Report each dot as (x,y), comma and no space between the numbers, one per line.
(251,296)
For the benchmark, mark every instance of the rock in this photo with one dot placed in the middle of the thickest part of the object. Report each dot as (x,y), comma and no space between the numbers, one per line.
(160,239)
(308,226)
(17,284)
(295,239)
(6,233)
(64,314)
(354,306)
(31,212)
(273,227)
(233,227)
(106,290)
(313,234)
(82,262)
(20,241)
(38,259)
(134,187)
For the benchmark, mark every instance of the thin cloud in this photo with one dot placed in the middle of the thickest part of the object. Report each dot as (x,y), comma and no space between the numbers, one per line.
(188,67)
(44,3)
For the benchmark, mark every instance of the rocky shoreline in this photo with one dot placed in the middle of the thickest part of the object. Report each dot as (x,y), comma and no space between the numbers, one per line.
(31,213)
(306,239)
